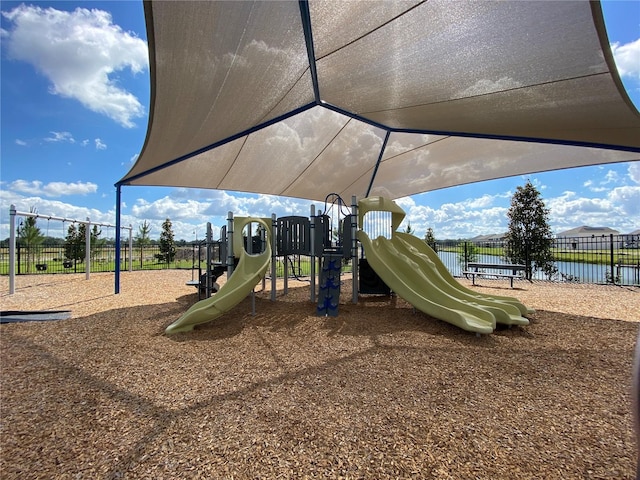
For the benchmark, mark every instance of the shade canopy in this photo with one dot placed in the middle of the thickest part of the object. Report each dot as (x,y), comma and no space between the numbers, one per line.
(387,98)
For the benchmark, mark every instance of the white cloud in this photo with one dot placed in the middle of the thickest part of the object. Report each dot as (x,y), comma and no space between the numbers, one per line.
(467,218)
(203,205)
(54,189)
(51,189)
(100,145)
(627,58)
(60,137)
(78,52)
(634,172)
(619,209)
(166,207)
(85,142)
(22,143)
(627,201)
(131,162)
(191,209)
(611,177)
(481,202)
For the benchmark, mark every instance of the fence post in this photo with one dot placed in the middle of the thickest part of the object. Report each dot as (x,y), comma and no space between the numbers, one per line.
(466,256)
(611,264)
(130,248)
(312,266)
(87,249)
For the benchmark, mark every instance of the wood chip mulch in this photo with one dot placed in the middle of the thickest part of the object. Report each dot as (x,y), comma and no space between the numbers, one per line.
(381,391)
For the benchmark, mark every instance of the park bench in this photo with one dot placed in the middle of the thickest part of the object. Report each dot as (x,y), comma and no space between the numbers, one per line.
(480,269)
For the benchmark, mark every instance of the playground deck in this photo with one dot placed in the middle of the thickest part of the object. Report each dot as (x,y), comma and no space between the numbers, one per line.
(379,391)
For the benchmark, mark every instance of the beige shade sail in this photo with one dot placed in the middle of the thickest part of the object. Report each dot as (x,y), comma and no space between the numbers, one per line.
(390,98)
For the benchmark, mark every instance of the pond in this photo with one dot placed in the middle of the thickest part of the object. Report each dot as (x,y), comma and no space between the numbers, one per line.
(567,271)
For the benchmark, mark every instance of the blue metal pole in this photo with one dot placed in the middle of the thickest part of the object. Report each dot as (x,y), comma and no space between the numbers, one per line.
(375,170)
(117,266)
(308,37)
(12,250)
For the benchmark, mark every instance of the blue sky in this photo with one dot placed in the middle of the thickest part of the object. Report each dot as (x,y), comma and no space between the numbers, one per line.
(74,110)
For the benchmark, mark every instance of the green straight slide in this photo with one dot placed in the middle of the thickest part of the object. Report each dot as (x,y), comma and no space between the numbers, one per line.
(250,271)
(411,273)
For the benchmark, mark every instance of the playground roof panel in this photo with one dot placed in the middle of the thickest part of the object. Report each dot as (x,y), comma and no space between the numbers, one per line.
(297,99)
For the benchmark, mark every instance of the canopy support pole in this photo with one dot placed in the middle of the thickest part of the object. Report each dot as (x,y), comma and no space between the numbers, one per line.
(375,170)
(312,239)
(274,252)
(117,265)
(12,250)
(305,15)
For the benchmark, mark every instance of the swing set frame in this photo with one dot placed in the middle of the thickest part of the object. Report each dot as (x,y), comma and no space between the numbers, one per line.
(13,213)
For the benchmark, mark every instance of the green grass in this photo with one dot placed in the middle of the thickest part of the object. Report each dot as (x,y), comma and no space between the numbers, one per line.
(597,257)
(300,267)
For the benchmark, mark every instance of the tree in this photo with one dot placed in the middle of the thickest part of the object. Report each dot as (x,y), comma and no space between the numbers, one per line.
(467,252)
(529,240)
(29,235)
(75,242)
(95,241)
(408,230)
(430,239)
(142,238)
(167,243)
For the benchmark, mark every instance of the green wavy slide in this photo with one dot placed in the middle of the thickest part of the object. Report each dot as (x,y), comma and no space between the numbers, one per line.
(413,271)
(250,271)
(421,249)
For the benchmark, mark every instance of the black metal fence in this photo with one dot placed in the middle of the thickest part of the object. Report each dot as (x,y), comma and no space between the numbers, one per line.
(609,259)
(612,259)
(55,259)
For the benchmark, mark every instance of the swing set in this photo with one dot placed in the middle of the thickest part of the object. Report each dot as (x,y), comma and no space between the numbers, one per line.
(13,213)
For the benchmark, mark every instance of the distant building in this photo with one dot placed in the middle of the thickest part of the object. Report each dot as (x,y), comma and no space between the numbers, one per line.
(588,238)
(631,239)
(490,240)
(584,231)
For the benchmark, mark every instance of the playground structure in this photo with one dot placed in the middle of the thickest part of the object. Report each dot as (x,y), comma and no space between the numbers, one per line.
(247,261)
(13,213)
(400,262)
